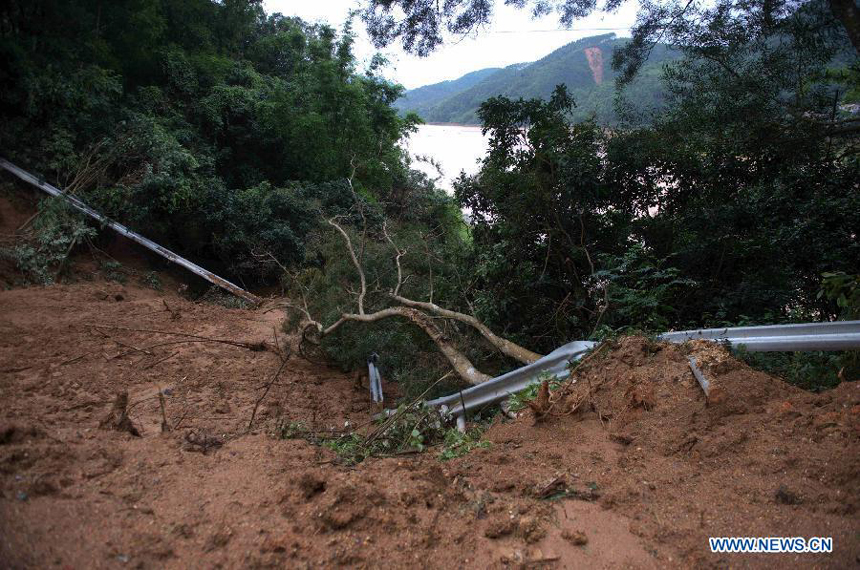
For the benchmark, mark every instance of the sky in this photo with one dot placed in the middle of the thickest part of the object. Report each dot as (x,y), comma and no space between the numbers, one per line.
(513,37)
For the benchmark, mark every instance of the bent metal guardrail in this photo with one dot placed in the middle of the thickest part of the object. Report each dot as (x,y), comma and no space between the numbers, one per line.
(839,335)
(556,363)
(121,229)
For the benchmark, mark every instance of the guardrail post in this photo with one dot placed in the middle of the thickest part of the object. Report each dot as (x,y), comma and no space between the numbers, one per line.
(374,378)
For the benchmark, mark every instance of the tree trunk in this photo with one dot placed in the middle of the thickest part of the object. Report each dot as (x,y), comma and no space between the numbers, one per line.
(462,365)
(507,347)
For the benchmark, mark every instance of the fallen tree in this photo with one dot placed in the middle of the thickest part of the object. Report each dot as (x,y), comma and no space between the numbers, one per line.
(422,314)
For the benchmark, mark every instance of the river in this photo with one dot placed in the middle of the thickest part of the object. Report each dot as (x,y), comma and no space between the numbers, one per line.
(455,147)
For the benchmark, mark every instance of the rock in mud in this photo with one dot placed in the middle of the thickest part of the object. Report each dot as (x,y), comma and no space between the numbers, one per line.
(575,537)
(500,527)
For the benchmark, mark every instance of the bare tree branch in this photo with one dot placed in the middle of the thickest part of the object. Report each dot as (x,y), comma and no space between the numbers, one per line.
(409,309)
(396,259)
(459,362)
(507,347)
(355,262)
(359,205)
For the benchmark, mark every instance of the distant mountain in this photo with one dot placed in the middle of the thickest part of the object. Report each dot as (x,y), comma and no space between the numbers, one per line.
(421,97)
(583,65)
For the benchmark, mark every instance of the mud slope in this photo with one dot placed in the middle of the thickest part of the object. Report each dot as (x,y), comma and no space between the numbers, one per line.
(639,474)
(762,458)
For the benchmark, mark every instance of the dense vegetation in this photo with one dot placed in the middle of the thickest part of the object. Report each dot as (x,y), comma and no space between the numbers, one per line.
(590,83)
(248,141)
(217,129)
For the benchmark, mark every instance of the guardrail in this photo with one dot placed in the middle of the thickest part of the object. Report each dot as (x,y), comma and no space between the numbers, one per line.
(839,335)
(134,236)
(556,363)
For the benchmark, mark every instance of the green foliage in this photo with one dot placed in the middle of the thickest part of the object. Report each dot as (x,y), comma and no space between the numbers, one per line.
(543,209)
(519,400)
(291,430)
(724,205)
(112,270)
(815,371)
(151,280)
(409,429)
(422,223)
(55,231)
(844,289)
(349,448)
(211,127)
(456,444)
(755,195)
(264,221)
(640,289)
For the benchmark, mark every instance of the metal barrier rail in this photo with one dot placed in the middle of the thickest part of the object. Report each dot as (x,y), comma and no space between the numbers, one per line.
(839,335)
(556,363)
(121,229)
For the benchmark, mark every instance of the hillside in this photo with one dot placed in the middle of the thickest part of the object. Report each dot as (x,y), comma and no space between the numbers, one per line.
(584,66)
(426,97)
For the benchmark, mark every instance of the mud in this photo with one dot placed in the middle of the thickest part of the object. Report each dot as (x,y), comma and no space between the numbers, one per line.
(632,467)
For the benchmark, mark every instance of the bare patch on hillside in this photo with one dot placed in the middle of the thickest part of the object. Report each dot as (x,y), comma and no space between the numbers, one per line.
(595,62)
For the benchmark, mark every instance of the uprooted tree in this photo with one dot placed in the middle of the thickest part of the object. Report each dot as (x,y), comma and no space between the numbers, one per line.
(422,314)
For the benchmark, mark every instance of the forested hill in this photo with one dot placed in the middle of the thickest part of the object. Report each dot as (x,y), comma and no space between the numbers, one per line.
(584,66)
(429,95)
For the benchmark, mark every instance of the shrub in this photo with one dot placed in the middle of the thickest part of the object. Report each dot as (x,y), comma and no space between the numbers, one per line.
(151,280)
(112,270)
(56,230)
(844,290)
(411,428)
(814,371)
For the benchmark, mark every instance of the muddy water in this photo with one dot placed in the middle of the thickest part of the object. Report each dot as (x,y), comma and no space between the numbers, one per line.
(455,148)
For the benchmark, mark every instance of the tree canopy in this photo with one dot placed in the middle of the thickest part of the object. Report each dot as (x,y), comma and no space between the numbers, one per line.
(421,26)
(209,124)
(686,221)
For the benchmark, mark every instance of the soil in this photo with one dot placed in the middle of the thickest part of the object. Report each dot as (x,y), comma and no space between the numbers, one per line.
(631,467)
(595,62)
